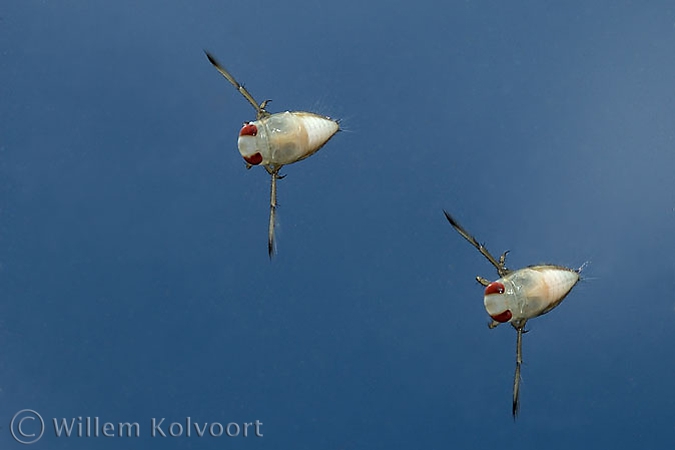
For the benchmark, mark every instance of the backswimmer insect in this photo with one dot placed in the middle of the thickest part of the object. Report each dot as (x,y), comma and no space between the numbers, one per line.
(275,140)
(520,295)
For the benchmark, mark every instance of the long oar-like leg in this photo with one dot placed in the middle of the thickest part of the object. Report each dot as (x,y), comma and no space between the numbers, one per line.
(519,361)
(499,264)
(273,212)
(260,108)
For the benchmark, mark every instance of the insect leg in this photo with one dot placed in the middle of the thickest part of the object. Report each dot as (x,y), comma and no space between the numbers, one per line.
(502,259)
(263,105)
(260,108)
(519,360)
(499,265)
(273,209)
(483,281)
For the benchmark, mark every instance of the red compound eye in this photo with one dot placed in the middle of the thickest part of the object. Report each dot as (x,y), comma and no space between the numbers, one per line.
(248,130)
(494,288)
(503,317)
(254,159)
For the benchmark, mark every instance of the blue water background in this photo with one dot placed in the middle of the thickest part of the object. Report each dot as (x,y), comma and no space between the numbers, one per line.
(134,277)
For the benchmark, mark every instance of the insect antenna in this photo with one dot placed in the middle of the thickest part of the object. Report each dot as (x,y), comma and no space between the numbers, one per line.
(499,264)
(260,108)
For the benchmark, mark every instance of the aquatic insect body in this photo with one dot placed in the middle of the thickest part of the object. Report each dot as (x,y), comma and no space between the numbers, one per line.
(284,138)
(528,293)
(520,295)
(275,140)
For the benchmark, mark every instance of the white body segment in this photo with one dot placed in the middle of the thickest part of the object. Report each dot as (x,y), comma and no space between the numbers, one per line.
(528,292)
(284,138)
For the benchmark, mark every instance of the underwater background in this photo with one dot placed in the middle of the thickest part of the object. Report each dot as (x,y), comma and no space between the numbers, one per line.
(134,277)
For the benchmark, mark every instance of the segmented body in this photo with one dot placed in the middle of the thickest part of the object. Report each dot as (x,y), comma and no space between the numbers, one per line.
(528,292)
(284,138)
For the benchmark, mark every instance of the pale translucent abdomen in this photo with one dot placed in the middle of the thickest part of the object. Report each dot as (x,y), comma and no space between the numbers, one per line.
(529,292)
(284,138)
